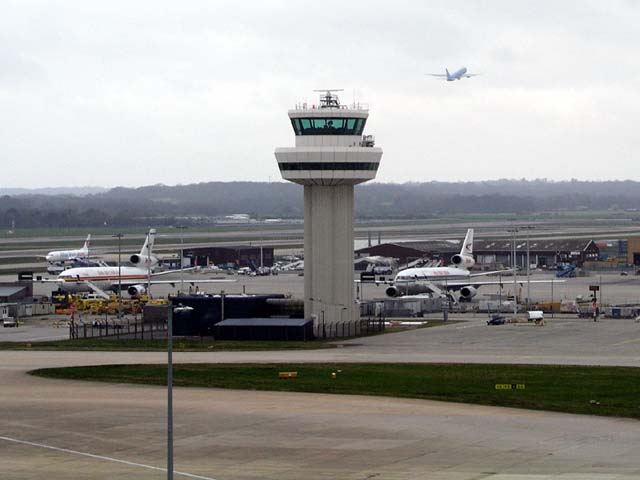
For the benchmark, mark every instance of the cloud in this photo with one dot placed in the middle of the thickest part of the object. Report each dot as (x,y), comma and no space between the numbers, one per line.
(123,93)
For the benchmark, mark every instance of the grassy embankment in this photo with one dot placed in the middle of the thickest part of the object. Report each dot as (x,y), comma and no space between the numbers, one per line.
(160,345)
(610,391)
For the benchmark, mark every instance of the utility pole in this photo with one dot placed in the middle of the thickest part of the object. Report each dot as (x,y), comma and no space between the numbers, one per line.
(119,237)
(170,393)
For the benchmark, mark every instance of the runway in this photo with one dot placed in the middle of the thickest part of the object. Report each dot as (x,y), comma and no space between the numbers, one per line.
(85,430)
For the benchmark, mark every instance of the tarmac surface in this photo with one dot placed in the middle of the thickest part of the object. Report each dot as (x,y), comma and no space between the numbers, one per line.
(59,429)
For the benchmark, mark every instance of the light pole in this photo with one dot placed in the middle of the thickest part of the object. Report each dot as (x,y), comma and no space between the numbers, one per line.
(182,228)
(119,237)
(528,228)
(514,266)
(172,309)
(261,253)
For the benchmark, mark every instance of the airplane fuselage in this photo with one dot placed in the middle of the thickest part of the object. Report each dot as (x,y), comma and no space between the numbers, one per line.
(66,255)
(457,75)
(105,278)
(439,276)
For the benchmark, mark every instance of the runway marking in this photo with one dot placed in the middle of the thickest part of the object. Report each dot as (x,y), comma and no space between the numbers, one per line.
(36,339)
(102,457)
(626,341)
(462,327)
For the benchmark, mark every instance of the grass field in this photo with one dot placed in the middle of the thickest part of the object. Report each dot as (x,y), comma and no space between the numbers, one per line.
(137,345)
(609,391)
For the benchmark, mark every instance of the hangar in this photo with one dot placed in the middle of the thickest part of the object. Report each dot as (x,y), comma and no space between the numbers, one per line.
(240,256)
(491,253)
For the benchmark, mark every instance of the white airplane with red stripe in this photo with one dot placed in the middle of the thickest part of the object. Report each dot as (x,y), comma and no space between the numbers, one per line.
(69,255)
(443,280)
(134,279)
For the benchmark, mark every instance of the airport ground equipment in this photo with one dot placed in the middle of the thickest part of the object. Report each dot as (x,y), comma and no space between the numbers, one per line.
(497,320)
(567,271)
(330,156)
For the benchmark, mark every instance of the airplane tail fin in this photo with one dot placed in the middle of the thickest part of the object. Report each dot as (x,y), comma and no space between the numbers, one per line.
(467,245)
(148,244)
(448,74)
(87,243)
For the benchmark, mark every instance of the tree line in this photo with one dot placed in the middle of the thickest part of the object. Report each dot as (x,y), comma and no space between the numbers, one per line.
(200,203)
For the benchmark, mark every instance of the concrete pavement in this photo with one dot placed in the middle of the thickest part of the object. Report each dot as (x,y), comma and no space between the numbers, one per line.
(86,430)
(228,434)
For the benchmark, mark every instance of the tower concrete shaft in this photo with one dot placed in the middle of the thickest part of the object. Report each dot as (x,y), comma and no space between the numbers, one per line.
(330,157)
(328,260)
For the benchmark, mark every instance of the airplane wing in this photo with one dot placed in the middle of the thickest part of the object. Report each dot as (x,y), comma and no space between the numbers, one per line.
(507,281)
(98,290)
(469,75)
(190,281)
(439,75)
(495,272)
(169,272)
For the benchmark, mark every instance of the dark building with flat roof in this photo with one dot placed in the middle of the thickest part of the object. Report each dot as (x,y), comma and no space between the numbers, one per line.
(240,256)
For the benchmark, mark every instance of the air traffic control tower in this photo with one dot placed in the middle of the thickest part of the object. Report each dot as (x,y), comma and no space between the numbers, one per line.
(330,157)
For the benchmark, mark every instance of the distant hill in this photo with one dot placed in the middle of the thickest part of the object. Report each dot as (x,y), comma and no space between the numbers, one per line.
(161,204)
(80,191)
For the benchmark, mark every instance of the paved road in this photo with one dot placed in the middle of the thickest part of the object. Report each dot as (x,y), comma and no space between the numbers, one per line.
(566,340)
(84,430)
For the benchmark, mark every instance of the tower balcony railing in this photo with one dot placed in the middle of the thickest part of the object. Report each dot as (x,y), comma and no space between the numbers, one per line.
(314,106)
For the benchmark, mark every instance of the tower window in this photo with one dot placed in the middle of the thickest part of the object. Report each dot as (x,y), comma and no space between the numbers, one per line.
(328,166)
(328,126)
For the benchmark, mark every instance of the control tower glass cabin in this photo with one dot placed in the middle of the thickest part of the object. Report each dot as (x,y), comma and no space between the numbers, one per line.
(330,156)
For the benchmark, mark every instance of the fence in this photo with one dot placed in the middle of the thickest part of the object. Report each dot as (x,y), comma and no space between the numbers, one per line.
(136,329)
(366,326)
(374,324)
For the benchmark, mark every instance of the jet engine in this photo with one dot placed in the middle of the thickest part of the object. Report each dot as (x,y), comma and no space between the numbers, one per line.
(467,293)
(136,290)
(393,291)
(141,261)
(463,261)
(401,290)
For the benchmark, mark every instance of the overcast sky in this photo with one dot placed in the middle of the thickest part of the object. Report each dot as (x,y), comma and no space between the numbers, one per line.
(141,92)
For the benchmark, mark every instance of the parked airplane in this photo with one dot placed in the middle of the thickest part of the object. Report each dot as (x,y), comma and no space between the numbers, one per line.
(457,75)
(69,255)
(442,280)
(134,279)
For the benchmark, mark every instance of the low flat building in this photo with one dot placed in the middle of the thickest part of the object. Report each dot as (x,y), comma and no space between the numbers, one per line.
(240,256)
(12,293)
(633,250)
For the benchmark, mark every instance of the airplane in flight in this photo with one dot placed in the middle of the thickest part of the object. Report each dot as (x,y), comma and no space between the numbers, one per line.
(135,280)
(457,75)
(443,280)
(70,255)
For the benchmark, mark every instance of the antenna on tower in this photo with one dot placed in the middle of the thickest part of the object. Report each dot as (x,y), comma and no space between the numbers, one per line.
(329,100)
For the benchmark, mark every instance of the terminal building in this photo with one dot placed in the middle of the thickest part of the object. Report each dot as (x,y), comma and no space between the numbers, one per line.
(330,156)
